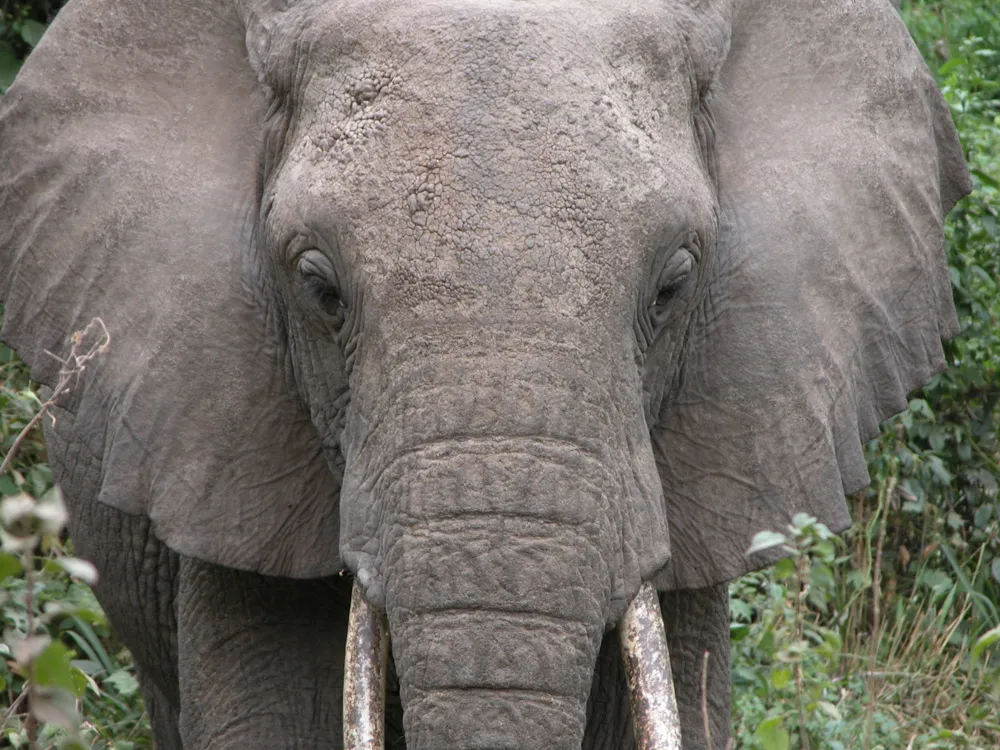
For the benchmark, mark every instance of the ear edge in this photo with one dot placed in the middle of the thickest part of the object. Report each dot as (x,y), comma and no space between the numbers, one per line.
(906,358)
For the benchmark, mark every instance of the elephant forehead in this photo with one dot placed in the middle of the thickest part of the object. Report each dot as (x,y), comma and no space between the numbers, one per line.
(500,139)
(500,69)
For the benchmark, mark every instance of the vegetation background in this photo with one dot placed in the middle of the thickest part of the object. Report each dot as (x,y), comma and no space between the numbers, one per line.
(885,638)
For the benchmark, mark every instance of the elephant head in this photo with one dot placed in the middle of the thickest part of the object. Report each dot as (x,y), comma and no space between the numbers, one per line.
(507,307)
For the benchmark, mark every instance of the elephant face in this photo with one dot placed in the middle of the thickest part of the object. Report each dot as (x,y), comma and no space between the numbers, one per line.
(499,247)
(507,307)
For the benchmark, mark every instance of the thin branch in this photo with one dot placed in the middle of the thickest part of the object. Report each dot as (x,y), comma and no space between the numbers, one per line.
(704,700)
(15,705)
(72,367)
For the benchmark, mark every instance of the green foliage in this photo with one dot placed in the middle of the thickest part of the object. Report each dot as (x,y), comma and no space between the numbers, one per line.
(949,454)
(61,660)
(788,653)
(21,27)
(821,660)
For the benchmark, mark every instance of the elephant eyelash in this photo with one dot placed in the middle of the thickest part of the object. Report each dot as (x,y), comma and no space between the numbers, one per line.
(317,280)
(673,276)
(325,294)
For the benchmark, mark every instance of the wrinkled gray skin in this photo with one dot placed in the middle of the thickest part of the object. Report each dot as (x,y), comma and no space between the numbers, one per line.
(504,306)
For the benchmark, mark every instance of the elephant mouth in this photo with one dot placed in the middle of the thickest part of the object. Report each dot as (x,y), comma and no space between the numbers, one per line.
(644,653)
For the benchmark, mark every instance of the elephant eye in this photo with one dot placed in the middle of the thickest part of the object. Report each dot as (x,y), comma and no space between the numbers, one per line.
(318,281)
(324,294)
(672,277)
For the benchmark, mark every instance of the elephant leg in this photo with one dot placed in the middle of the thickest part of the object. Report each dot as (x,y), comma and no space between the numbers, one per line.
(609,717)
(260,659)
(696,621)
(137,575)
(163,716)
(136,589)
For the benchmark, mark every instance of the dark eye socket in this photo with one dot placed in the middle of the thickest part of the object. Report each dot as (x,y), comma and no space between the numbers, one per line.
(318,280)
(674,273)
(325,294)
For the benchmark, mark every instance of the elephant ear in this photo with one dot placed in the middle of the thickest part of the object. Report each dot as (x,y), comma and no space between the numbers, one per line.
(836,161)
(129,147)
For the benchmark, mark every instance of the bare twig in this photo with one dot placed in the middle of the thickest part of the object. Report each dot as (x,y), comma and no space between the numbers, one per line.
(885,498)
(704,699)
(802,580)
(72,367)
(15,705)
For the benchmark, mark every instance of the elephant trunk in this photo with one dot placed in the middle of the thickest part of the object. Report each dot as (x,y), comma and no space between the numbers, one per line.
(496,622)
(503,508)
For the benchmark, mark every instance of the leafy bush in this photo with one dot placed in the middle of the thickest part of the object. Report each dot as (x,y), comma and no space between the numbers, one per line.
(61,659)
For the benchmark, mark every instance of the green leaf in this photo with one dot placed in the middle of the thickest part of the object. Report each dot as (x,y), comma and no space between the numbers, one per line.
(52,668)
(737,632)
(954,520)
(9,65)
(740,610)
(949,66)
(984,479)
(780,678)
(9,566)
(956,277)
(80,680)
(123,682)
(985,179)
(784,569)
(763,540)
(938,439)
(771,734)
(803,520)
(824,550)
(8,487)
(921,407)
(939,471)
(987,639)
(31,32)
(830,710)
(983,276)
(995,569)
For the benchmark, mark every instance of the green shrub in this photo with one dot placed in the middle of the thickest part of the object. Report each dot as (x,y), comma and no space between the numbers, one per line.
(61,660)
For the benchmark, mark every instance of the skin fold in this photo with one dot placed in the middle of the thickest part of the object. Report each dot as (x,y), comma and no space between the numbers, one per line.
(501,308)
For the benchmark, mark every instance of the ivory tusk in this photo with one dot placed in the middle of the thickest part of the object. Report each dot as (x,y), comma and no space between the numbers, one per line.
(655,718)
(365,675)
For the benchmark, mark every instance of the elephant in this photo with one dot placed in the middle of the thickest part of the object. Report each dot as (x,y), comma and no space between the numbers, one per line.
(488,315)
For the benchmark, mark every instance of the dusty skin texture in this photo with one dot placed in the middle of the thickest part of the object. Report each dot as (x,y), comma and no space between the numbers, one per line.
(502,306)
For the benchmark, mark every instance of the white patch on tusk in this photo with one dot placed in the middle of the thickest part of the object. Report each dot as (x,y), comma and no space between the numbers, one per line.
(655,718)
(365,665)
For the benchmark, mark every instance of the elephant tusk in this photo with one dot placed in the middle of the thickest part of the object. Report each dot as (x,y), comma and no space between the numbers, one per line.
(655,718)
(365,675)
